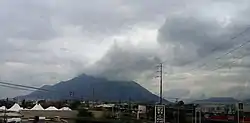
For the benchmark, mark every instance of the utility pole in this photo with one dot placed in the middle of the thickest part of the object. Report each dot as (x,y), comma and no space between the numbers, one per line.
(93,94)
(71,94)
(5,110)
(160,71)
(160,108)
(129,104)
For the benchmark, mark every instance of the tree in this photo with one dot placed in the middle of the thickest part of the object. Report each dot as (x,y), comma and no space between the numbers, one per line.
(75,104)
(180,103)
(41,101)
(84,113)
(24,103)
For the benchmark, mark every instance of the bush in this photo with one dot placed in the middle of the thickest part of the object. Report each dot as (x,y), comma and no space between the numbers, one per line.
(75,104)
(84,113)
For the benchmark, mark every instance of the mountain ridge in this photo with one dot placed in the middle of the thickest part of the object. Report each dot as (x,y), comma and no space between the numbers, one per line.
(93,88)
(217,100)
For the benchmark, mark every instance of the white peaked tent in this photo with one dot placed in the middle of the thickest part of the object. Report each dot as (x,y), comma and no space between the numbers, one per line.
(15,107)
(65,109)
(2,108)
(37,107)
(51,108)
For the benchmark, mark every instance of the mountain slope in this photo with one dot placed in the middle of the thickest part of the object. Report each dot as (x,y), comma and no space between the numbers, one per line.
(246,100)
(217,100)
(91,88)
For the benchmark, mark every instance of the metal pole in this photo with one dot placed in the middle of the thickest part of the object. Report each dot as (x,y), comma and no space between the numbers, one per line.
(195,115)
(178,120)
(155,115)
(5,119)
(238,116)
(160,70)
(138,115)
(5,110)
(161,83)
(200,116)
(93,94)
(113,111)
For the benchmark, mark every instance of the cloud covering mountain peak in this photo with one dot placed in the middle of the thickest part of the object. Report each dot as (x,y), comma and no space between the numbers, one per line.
(43,42)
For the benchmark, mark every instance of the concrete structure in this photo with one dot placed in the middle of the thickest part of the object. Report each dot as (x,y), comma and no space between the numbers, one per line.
(213,108)
(49,114)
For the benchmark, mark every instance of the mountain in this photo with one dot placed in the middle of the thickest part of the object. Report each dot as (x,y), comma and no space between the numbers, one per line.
(246,100)
(217,100)
(92,88)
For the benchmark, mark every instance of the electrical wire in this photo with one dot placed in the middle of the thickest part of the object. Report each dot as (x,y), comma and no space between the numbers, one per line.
(221,56)
(30,88)
(224,54)
(232,38)
(219,67)
(17,88)
(24,86)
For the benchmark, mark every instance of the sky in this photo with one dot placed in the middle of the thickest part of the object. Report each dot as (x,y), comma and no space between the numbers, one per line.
(198,41)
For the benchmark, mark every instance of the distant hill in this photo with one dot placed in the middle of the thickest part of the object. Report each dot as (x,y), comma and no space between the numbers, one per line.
(246,100)
(217,100)
(92,88)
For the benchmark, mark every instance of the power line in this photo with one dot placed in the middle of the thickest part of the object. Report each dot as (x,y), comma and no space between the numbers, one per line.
(232,38)
(28,88)
(18,88)
(24,86)
(229,66)
(229,52)
(241,33)
(221,66)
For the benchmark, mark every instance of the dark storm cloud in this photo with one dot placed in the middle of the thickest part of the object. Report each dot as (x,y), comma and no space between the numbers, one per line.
(199,36)
(126,64)
(204,37)
(193,37)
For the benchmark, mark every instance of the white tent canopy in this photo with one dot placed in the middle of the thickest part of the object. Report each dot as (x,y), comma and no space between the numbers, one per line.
(37,107)
(51,108)
(65,109)
(2,108)
(15,107)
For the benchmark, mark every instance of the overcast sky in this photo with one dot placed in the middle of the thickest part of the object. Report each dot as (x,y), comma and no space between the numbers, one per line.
(46,41)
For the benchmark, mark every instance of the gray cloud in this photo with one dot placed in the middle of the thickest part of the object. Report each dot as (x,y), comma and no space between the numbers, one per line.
(126,63)
(176,93)
(52,40)
(109,17)
(43,42)
(200,38)
(28,20)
